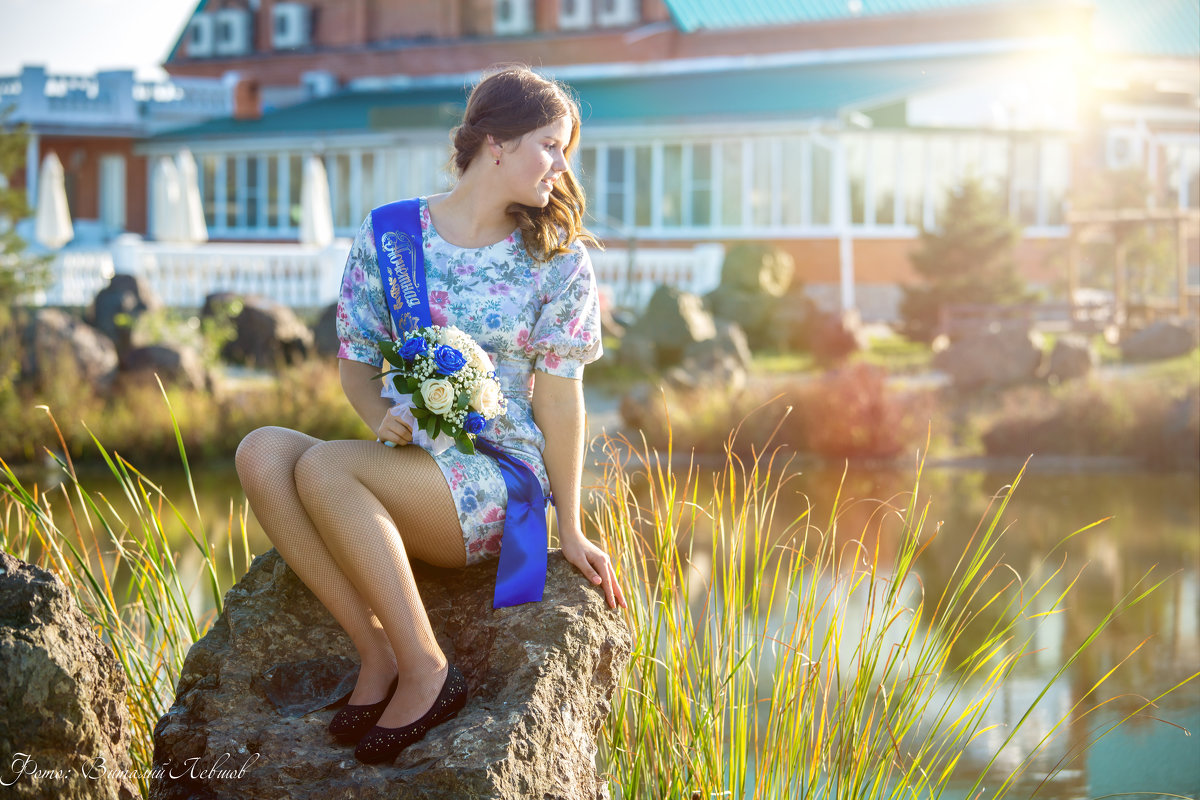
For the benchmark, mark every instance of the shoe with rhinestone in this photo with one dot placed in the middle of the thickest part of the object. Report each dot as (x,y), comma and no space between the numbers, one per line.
(349,724)
(384,744)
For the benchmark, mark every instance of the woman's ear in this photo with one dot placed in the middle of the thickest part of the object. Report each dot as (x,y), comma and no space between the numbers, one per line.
(494,147)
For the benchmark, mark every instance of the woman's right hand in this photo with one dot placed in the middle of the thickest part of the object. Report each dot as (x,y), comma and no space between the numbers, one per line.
(393,429)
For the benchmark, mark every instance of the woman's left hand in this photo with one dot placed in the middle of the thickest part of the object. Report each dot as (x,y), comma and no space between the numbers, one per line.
(596,566)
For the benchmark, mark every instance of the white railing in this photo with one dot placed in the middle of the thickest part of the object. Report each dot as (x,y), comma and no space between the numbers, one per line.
(310,277)
(632,281)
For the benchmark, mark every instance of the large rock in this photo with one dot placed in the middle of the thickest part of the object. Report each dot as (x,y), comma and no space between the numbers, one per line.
(56,345)
(990,358)
(1159,340)
(540,677)
(672,321)
(1072,357)
(325,336)
(117,305)
(63,694)
(268,334)
(174,364)
(758,268)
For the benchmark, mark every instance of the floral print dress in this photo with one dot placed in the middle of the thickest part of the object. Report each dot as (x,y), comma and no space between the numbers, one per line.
(526,314)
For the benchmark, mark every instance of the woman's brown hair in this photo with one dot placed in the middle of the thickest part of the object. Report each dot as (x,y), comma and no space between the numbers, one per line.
(508,103)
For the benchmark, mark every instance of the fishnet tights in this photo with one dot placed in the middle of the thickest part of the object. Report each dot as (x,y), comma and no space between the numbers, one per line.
(347,516)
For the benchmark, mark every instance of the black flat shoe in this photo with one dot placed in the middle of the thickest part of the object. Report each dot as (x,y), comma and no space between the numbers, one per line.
(384,744)
(349,724)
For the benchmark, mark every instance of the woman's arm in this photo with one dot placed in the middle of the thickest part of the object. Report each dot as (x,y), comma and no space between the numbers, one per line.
(363,394)
(558,412)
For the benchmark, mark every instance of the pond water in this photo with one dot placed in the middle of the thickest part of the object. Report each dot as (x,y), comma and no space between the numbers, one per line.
(1154,525)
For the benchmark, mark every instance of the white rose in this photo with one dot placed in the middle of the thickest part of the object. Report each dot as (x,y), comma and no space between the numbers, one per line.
(479,359)
(438,395)
(486,398)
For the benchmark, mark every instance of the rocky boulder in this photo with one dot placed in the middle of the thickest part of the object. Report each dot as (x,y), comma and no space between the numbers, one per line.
(672,321)
(1159,340)
(175,365)
(268,334)
(541,676)
(754,277)
(53,341)
(1072,357)
(65,727)
(989,358)
(115,306)
(325,336)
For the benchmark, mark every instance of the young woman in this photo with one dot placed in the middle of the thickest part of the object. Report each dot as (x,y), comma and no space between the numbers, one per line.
(505,262)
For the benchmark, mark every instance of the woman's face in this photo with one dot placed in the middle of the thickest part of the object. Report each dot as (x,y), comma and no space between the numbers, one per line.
(532,163)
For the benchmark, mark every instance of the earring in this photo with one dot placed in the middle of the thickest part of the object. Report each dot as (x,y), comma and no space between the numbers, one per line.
(497,162)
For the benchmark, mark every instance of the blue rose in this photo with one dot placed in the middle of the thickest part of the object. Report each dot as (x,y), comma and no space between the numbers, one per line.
(475,423)
(413,347)
(448,360)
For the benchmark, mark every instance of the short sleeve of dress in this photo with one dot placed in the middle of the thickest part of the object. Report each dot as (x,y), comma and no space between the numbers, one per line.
(362,315)
(566,334)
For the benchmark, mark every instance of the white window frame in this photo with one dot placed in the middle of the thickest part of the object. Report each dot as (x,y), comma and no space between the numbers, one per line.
(623,13)
(580,19)
(520,21)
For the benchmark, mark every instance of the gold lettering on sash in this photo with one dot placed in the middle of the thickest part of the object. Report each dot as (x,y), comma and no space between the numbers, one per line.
(401,252)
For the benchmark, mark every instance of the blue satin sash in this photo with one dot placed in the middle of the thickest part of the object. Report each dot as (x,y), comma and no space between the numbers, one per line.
(521,573)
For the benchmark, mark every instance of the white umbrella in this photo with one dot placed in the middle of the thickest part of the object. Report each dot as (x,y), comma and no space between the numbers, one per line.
(52,226)
(316,214)
(167,221)
(194,228)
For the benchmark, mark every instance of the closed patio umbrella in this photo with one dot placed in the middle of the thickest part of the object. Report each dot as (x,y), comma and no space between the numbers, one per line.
(194,228)
(52,226)
(316,213)
(167,220)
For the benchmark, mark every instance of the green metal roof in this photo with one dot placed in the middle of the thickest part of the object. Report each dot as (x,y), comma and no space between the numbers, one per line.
(1149,27)
(789,92)
(1145,27)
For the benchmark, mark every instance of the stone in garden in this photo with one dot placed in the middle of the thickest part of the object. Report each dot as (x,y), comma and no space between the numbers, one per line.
(117,305)
(268,334)
(716,364)
(541,676)
(673,319)
(64,695)
(1072,357)
(759,269)
(325,338)
(175,365)
(1159,340)
(991,358)
(54,342)
(637,352)
(729,340)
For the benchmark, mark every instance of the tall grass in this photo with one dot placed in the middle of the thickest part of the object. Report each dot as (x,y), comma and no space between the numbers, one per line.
(785,657)
(773,657)
(125,574)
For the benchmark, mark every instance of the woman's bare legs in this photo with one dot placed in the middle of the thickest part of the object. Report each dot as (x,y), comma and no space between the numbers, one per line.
(376,507)
(266,463)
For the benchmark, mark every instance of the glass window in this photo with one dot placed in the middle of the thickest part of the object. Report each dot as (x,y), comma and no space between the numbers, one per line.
(1056,169)
(672,191)
(700,209)
(941,173)
(883,169)
(1191,174)
(760,187)
(585,174)
(251,196)
(822,184)
(995,166)
(369,183)
(912,178)
(272,192)
(295,183)
(855,145)
(731,183)
(340,195)
(615,185)
(643,176)
(791,197)
(232,201)
(1025,182)
(208,189)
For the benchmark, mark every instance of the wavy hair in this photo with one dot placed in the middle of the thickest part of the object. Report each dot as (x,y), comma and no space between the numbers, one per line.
(508,103)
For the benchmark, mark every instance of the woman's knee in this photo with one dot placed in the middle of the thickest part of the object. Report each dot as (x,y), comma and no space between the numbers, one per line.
(317,469)
(270,449)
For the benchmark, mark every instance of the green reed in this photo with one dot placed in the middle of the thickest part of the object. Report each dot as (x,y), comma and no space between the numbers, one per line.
(784,657)
(124,573)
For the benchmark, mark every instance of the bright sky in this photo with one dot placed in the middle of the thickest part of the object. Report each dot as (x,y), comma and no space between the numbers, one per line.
(82,36)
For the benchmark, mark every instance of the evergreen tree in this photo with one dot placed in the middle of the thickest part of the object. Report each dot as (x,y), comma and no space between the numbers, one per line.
(19,273)
(969,260)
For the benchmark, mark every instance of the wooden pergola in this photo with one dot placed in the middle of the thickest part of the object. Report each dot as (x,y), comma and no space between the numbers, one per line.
(1118,225)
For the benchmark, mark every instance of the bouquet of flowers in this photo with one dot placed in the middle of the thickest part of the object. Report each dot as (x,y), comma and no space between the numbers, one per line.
(444,386)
